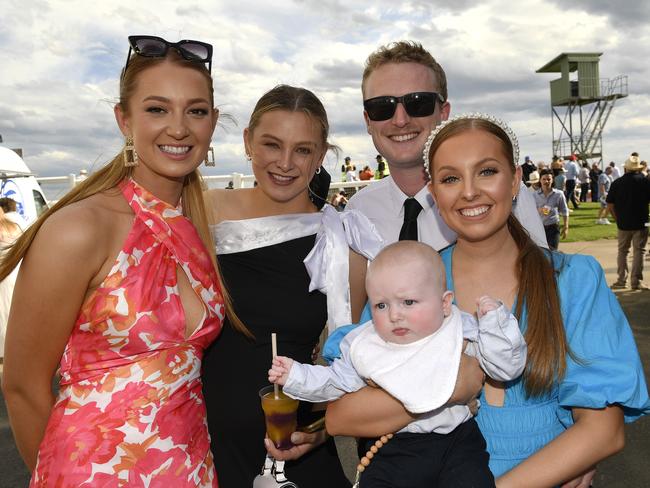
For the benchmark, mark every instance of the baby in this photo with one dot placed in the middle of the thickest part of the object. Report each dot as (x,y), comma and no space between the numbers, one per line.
(412,349)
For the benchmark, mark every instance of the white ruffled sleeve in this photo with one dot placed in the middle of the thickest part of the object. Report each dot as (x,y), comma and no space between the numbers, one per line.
(328,262)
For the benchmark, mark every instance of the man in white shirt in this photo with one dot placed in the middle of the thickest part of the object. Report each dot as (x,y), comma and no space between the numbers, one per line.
(616,173)
(572,170)
(405,97)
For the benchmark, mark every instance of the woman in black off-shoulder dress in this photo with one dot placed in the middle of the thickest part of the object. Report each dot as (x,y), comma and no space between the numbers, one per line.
(262,236)
(270,290)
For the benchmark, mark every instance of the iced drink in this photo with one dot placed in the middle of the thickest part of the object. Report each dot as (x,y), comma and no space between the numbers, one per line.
(280,415)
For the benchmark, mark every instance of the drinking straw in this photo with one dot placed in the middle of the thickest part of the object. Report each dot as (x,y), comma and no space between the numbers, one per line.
(274,348)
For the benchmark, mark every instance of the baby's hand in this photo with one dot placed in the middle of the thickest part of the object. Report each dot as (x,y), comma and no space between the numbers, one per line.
(280,368)
(486,304)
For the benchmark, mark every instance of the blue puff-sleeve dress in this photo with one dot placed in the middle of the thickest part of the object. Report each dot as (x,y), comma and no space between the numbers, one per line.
(607,369)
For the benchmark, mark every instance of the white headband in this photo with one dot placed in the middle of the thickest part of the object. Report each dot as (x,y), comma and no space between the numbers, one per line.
(479,116)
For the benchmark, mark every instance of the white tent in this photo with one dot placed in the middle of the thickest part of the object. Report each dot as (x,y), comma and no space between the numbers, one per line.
(11,163)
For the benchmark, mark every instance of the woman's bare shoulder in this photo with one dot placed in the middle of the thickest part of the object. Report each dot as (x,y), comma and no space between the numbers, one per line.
(225,204)
(87,223)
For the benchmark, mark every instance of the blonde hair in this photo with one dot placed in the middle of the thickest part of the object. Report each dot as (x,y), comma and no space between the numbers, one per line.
(115,171)
(537,285)
(293,99)
(404,52)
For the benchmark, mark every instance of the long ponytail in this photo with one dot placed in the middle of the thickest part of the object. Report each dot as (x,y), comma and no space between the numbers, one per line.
(538,293)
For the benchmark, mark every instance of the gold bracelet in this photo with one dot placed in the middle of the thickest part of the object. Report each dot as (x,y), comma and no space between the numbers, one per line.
(314,426)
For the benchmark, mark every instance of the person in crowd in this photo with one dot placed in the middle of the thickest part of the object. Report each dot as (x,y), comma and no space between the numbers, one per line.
(411,348)
(533,182)
(559,178)
(10,209)
(542,165)
(350,173)
(584,181)
(571,175)
(527,168)
(9,231)
(339,200)
(627,201)
(616,173)
(270,240)
(583,375)
(344,168)
(551,205)
(382,168)
(594,176)
(366,174)
(604,184)
(555,161)
(132,299)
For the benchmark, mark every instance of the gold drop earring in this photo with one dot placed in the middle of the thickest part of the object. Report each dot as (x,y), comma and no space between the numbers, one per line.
(209,157)
(129,153)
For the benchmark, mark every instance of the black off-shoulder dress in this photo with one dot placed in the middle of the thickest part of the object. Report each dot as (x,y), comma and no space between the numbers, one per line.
(261,262)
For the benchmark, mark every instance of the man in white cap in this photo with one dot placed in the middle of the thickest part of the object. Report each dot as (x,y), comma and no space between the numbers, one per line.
(627,201)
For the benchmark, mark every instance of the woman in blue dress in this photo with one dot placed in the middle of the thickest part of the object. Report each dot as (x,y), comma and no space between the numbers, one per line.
(583,377)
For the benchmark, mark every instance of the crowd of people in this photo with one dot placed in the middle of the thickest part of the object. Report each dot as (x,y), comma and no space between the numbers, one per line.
(580,182)
(565,181)
(367,173)
(156,317)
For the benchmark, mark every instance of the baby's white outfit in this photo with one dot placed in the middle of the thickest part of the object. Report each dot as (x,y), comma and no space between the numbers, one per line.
(422,374)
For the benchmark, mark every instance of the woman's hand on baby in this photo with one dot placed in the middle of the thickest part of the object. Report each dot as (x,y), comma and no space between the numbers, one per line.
(280,367)
(485,304)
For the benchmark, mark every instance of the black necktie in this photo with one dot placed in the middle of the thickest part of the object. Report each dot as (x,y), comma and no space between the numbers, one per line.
(409,231)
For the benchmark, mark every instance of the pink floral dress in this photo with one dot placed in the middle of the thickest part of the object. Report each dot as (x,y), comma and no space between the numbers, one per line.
(130,411)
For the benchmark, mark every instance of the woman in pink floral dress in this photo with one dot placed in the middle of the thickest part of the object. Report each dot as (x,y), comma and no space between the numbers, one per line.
(118,291)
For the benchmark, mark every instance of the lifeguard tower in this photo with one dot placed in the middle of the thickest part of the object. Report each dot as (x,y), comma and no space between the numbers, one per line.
(581,102)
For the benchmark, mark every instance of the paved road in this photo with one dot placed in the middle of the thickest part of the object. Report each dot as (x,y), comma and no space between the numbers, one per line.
(629,469)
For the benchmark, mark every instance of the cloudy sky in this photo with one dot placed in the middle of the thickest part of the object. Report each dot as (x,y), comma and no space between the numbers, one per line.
(60,62)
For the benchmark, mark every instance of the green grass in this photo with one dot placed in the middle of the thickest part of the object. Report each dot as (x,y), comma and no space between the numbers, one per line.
(582,226)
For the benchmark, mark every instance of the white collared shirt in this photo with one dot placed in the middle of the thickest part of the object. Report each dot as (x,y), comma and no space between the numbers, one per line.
(383,203)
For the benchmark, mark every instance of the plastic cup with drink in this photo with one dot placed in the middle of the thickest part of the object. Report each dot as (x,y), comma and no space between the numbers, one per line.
(279,411)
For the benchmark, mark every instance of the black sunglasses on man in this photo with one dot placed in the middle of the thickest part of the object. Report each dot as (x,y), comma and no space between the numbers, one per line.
(417,104)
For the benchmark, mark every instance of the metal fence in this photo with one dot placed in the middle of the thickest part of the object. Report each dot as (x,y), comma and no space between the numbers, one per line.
(238,180)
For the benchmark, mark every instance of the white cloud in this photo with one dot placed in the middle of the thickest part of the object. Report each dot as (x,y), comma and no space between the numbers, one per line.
(61,61)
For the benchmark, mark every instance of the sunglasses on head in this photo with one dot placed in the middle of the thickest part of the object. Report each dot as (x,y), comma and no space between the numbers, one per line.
(157,47)
(418,104)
